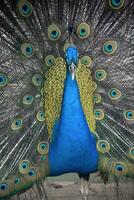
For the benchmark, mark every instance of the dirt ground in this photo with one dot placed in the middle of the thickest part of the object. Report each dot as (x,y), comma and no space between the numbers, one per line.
(66,187)
(70,191)
(96,192)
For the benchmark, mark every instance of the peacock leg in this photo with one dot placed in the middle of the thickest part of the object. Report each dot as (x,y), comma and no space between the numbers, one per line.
(84,186)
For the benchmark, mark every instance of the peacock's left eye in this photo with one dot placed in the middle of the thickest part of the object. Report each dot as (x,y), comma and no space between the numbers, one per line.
(43,147)
(54,32)
(3,80)
(37,79)
(110,47)
(99,114)
(116,4)
(17,124)
(25,8)
(27,50)
(83,31)
(100,74)
(129,115)
(24,166)
(86,60)
(131,153)
(28,99)
(114,94)
(40,116)
(103,146)
(49,60)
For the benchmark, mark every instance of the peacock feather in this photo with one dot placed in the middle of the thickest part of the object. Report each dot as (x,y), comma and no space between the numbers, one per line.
(66,90)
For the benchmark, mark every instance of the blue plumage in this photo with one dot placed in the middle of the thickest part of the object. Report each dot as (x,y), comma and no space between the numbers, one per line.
(72,55)
(72,137)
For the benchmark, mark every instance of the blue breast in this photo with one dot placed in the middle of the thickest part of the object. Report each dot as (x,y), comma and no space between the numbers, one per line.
(73,147)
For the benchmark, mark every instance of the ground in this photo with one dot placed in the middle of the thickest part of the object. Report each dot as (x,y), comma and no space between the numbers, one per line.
(67,188)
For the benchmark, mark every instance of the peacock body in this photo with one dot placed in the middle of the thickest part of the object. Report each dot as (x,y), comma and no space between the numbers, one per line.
(66,90)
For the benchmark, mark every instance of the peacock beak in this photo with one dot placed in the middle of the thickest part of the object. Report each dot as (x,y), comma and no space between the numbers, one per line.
(72,70)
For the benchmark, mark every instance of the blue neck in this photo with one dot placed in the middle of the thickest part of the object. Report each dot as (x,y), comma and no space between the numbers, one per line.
(73,148)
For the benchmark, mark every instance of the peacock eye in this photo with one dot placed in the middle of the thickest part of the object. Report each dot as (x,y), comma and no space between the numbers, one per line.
(100,74)
(40,116)
(3,80)
(3,186)
(27,50)
(43,148)
(54,32)
(17,124)
(99,114)
(25,8)
(129,115)
(114,94)
(116,4)
(32,172)
(97,98)
(110,47)
(119,169)
(49,60)
(24,166)
(103,146)
(86,60)
(28,99)
(17,181)
(37,79)
(131,153)
(83,31)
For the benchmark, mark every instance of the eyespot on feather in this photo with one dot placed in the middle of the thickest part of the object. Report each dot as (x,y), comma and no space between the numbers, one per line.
(114,94)
(110,47)
(4,188)
(100,75)
(119,168)
(103,146)
(129,115)
(43,147)
(99,114)
(83,30)
(3,80)
(28,99)
(86,60)
(25,8)
(27,49)
(24,166)
(37,80)
(49,60)
(116,4)
(40,116)
(17,124)
(54,32)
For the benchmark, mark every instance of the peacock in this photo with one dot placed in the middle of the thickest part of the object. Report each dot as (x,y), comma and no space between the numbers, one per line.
(66,91)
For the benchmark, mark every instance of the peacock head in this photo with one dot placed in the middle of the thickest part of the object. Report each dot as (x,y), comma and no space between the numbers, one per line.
(72,58)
